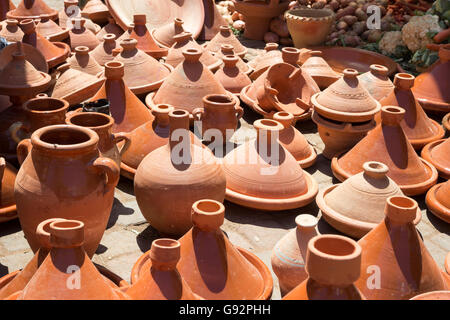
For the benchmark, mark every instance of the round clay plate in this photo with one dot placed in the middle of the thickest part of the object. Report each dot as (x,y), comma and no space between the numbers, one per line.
(32,55)
(159,13)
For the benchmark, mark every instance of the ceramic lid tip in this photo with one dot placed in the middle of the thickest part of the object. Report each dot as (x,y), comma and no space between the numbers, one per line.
(82,49)
(139,19)
(379,69)
(306,221)
(109,36)
(43,232)
(225,28)
(218,99)
(66,234)
(128,44)
(401,209)
(178,21)
(192,54)
(27,25)
(375,169)
(208,215)
(392,115)
(226,47)
(404,81)
(178,119)
(285,118)
(165,254)
(114,70)
(162,108)
(350,73)
(267,125)
(12,22)
(230,59)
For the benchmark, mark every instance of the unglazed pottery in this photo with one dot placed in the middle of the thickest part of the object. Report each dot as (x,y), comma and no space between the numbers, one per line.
(226,36)
(81,36)
(395,263)
(319,69)
(111,27)
(213,267)
(7,202)
(419,129)
(54,156)
(227,50)
(171,178)
(357,205)
(433,295)
(145,41)
(48,28)
(126,109)
(71,11)
(104,52)
(309,27)
(438,203)
(262,174)
(164,36)
(387,143)
(289,254)
(32,55)
(11,31)
(31,9)
(264,61)
(143,73)
(5,6)
(377,82)
(333,264)
(84,62)
(161,280)
(230,75)
(97,11)
(437,153)
(213,20)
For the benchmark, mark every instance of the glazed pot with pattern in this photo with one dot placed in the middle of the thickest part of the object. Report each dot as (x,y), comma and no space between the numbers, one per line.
(7,203)
(105,50)
(111,27)
(228,50)
(333,265)
(263,61)
(437,153)
(145,41)
(387,143)
(97,11)
(171,178)
(438,202)
(49,29)
(377,81)
(83,61)
(5,6)
(80,35)
(164,36)
(11,31)
(319,69)
(288,257)
(54,156)
(230,75)
(226,36)
(31,9)
(404,267)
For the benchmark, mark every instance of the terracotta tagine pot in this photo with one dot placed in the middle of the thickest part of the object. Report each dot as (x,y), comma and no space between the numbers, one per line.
(7,202)
(102,124)
(178,173)
(164,36)
(111,27)
(258,14)
(213,21)
(53,156)
(31,9)
(265,60)
(49,29)
(437,153)
(228,50)
(377,82)
(97,11)
(309,27)
(430,87)
(262,174)
(145,40)
(126,109)
(68,255)
(104,52)
(434,295)
(219,117)
(437,201)
(183,42)
(75,86)
(5,6)
(226,36)
(161,279)
(320,70)
(32,55)
(396,264)
(143,73)
(231,77)
(294,141)
(11,31)
(84,62)
(333,264)
(71,11)
(81,36)
(356,206)
(387,143)
(419,129)
(289,254)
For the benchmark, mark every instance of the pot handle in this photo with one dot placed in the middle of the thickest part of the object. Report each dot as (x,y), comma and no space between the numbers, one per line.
(14,131)
(240,112)
(198,113)
(44,236)
(23,149)
(122,136)
(110,168)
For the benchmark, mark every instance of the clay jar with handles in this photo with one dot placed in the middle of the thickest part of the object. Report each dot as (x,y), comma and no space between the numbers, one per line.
(63,176)
(102,124)
(219,113)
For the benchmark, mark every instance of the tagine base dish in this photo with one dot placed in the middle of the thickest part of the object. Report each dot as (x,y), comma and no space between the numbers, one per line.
(427,154)
(435,206)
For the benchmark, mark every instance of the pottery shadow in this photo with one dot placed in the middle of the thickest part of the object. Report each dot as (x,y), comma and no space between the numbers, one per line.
(10,227)
(145,238)
(3,270)
(117,210)
(126,185)
(101,249)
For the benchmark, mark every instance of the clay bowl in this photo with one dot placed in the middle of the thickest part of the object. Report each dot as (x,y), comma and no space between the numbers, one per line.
(32,55)
(446,122)
(435,206)
(427,154)
(264,271)
(434,295)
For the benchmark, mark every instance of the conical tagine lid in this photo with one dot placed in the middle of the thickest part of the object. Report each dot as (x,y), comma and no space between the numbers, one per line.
(438,202)
(96,10)
(228,50)
(164,35)
(357,205)
(438,154)
(84,62)
(377,82)
(226,36)
(230,75)
(418,128)
(396,264)
(111,27)
(80,35)
(319,69)
(145,41)
(72,10)
(104,52)
(48,28)
(11,31)
(7,203)
(31,9)
(387,143)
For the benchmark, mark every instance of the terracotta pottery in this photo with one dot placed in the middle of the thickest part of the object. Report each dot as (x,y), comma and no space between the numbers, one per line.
(190,76)
(212,266)
(5,6)
(81,36)
(183,42)
(143,73)
(338,136)
(31,9)
(84,62)
(396,264)
(264,61)
(377,81)
(294,141)
(126,109)
(7,202)
(111,27)
(49,29)
(434,295)
(419,129)
(320,70)
(438,203)
(178,174)
(346,100)
(226,36)
(219,117)
(262,174)
(164,35)
(102,124)
(446,122)
(228,50)
(159,13)
(437,153)
(387,143)
(333,264)
(32,55)
(75,86)
(230,75)
(289,254)
(258,14)
(11,31)
(53,156)
(309,27)
(127,34)
(161,279)
(213,21)
(357,205)
(430,87)
(104,52)
(97,11)
(71,11)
